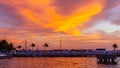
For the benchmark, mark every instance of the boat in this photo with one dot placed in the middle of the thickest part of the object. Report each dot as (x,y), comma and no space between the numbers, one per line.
(4,56)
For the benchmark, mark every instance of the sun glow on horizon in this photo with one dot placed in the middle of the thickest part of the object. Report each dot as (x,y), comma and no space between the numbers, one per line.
(82,20)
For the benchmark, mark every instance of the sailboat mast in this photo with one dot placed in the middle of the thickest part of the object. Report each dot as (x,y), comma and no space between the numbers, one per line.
(25,44)
(60,42)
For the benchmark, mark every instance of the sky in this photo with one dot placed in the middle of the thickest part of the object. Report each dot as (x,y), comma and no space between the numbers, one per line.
(82,24)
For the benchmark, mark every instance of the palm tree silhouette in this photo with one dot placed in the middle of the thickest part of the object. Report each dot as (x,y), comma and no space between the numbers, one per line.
(115,46)
(19,47)
(33,45)
(45,46)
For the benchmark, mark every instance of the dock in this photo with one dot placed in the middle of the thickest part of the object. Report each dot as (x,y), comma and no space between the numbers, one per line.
(106,59)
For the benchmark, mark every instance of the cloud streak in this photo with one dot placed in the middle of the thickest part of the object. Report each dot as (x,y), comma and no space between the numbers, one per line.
(50,17)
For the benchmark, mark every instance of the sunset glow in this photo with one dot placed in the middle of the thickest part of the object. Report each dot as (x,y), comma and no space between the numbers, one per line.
(77,22)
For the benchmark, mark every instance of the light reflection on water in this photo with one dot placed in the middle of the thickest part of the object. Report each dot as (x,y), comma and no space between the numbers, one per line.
(55,62)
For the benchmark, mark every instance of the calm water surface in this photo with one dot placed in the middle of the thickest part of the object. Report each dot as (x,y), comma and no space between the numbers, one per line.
(58,62)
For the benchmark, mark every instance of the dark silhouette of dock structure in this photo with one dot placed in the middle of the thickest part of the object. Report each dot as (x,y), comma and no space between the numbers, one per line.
(106,59)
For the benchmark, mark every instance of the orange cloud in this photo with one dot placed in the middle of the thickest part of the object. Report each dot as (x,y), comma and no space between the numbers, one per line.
(41,16)
(43,13)
(82,14)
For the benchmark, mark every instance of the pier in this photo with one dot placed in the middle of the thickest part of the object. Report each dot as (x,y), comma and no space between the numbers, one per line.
(106,59)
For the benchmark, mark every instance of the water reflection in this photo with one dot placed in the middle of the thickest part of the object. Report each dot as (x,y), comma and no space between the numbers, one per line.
(58,62)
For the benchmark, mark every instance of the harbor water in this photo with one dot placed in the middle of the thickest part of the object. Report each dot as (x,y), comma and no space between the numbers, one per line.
(54,62)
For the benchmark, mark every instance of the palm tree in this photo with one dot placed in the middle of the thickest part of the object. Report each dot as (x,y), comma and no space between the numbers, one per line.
(10,47)
(19,47)
(115,46)
(45,46)
(33,45)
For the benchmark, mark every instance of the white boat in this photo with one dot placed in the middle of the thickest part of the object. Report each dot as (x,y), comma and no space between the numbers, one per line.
(4,56)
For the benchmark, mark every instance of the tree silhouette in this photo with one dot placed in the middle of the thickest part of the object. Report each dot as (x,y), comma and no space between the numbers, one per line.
(115,46)
(33,45)
(10,47)
(5,47)
(45,46)
(19,47)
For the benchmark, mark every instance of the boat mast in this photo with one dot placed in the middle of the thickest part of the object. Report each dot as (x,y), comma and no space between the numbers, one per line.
(25,44)
(60,42)
(4,37)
